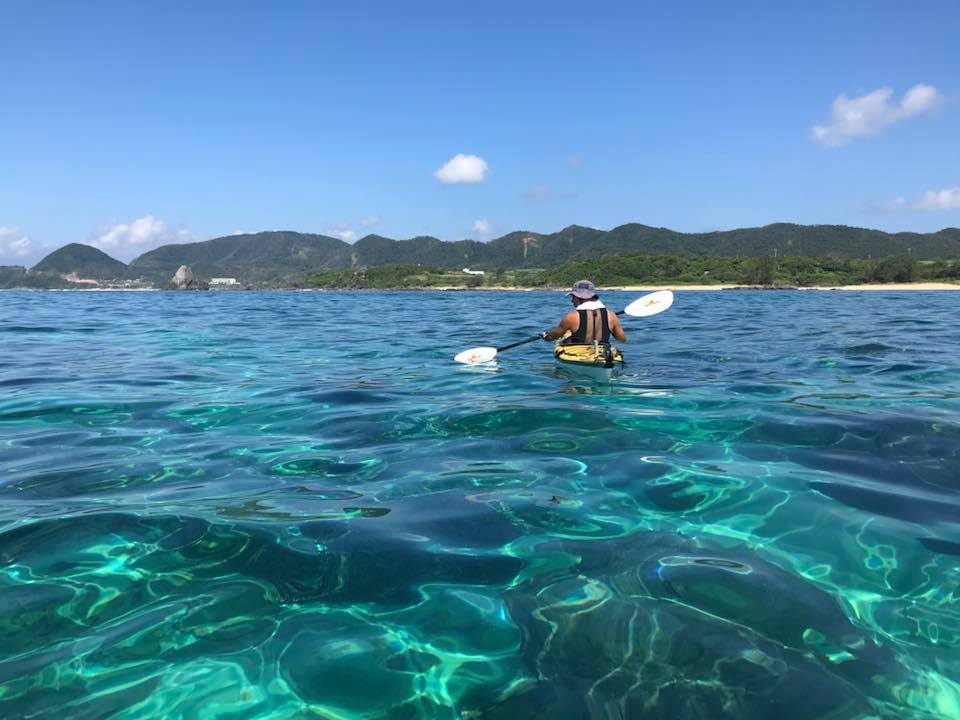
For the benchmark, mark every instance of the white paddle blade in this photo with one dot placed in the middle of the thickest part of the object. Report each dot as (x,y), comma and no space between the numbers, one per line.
(476,355)
(655,302)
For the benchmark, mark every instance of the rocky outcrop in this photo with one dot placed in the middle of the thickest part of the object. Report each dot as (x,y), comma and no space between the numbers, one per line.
(359,281)
(183,279)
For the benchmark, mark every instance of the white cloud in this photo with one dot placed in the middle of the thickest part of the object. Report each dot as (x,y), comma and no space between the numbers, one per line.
(21,246)
(342,231)
(870,113)
(345,230)
(14,244)
(946,199)
(462,169)
(920,98)
(141,231)
(483,228)
(126,241)
(574,160)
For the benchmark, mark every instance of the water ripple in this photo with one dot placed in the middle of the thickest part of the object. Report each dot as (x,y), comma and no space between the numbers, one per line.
(238,500)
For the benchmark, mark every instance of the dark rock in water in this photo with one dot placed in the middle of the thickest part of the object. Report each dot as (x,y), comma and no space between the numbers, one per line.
(656,625)
(675,496)
(944,547)
(183,279)
(741,588)
(892,504)
(597,655)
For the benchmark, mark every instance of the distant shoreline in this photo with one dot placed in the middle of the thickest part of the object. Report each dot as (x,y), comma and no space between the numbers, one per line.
(504,288)
(875,286)
(679,288)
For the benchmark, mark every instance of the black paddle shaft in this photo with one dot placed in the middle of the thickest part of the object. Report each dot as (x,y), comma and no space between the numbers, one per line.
(531,339)
(521,342)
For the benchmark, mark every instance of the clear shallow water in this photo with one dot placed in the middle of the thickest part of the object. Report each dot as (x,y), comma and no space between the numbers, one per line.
(285,505)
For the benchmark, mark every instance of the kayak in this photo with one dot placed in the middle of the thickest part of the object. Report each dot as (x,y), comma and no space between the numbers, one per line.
(597,361)
(649,304)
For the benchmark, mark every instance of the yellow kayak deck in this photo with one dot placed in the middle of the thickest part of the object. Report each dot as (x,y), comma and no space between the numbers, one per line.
(589,356)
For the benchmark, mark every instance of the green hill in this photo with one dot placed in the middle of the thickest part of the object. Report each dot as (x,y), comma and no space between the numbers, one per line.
(649,270)
(264,257)
(13,276)
(527,250)
(279,258)
(811,241)
(17,276)
(375,250)
(85,261)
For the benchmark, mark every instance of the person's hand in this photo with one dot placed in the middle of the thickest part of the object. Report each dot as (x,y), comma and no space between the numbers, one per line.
(543,336)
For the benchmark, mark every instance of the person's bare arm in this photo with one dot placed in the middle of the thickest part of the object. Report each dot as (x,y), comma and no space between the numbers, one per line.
(615,328)
(567,324)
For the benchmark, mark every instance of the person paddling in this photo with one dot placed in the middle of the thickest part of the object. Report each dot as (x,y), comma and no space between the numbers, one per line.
(590,322)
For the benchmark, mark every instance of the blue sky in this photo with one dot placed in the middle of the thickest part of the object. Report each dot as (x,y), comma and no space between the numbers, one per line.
(133,124)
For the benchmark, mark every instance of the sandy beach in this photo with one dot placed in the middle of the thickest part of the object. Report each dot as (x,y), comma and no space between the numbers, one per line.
(887,286)
(651,288)
(895,286)
(641,288)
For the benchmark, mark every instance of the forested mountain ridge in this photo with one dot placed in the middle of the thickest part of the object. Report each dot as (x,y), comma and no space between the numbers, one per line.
(277,257)
(253,258)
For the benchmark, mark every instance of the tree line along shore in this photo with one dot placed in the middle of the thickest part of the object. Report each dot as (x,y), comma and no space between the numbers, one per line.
(83,267)
(634,270)
(652,270)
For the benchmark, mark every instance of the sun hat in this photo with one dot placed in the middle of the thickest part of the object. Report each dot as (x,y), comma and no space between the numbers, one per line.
(583,289)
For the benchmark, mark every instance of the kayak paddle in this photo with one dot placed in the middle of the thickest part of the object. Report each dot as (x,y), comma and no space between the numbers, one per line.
(655,302)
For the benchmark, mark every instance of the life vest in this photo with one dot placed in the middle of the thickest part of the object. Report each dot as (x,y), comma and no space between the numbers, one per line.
(594,327)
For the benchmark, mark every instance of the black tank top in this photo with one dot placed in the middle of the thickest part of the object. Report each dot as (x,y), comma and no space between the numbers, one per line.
(594,325)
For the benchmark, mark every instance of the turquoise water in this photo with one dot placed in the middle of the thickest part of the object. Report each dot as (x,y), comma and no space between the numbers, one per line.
(295,505)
